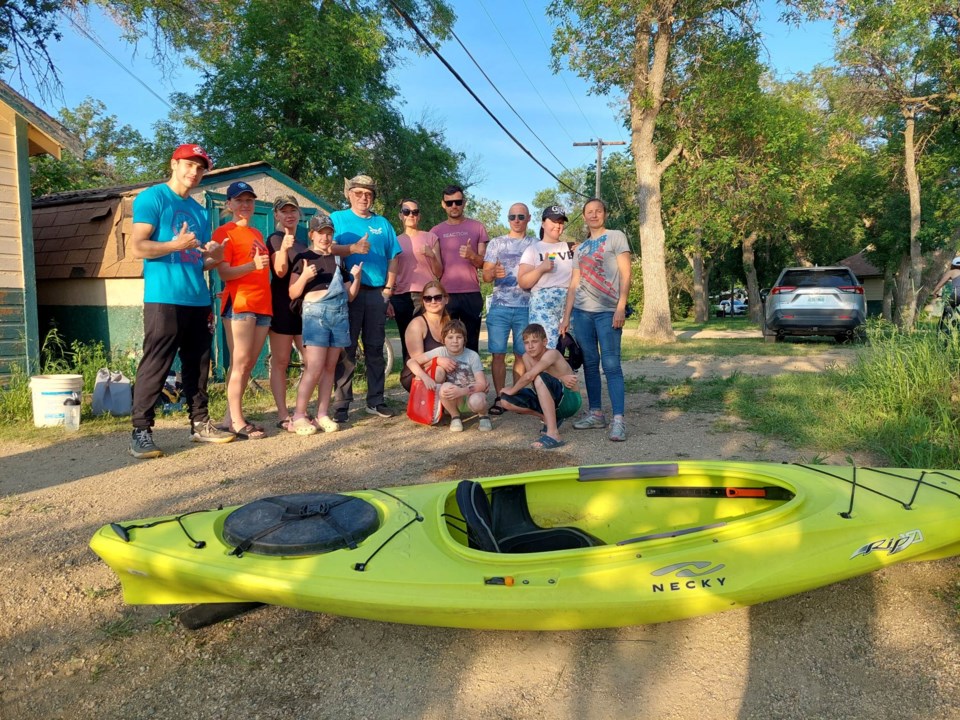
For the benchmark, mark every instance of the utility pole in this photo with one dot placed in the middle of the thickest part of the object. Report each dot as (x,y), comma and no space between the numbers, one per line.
(600,145)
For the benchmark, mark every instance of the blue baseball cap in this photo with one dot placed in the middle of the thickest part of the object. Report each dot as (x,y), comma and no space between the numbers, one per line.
(238,188)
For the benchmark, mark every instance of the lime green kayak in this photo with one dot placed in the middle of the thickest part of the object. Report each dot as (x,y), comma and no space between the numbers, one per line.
(586,547)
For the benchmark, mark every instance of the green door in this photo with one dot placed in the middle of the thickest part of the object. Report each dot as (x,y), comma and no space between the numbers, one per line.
(262,221)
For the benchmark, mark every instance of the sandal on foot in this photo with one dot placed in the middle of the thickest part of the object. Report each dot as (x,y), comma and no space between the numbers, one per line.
(496,410)
(286,424)
(547,443)
(326,424)
(304,426)
(250,432)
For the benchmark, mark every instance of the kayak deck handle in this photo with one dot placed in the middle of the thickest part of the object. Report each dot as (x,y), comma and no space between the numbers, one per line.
(634,471)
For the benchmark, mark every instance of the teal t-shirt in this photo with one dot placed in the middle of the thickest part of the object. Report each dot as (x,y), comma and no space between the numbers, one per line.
(177,278)
(348,227)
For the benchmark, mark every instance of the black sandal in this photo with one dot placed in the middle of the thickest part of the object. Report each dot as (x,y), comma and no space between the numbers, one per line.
(496,410)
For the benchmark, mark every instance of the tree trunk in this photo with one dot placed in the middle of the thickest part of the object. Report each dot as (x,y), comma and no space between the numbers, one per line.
(750,270)
(889,288)
(701,289)
(646,98)
(913,278)
(903,290)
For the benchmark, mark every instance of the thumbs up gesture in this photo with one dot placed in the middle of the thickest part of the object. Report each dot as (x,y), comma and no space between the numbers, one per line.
(260,260)
(288,239)
(361,246)
(186,239)
(499,271)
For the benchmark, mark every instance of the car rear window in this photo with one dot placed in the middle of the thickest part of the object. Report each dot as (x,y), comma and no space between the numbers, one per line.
(818,278)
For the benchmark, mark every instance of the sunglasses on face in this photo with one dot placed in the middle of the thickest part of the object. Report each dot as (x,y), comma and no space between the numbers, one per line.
(451,203)
(521,216)
(432,298)
(407,211)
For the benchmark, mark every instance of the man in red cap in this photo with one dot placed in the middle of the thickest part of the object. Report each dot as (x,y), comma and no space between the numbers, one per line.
(171,232)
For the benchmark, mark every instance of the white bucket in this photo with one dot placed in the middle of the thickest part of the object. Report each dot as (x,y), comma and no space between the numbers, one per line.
(49,393)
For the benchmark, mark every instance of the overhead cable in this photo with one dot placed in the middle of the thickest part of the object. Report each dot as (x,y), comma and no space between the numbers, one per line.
(483,72)
(423,38)
(519,65)
(96,41)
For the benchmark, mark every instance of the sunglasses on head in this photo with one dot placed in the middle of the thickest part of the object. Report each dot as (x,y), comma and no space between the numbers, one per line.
(408,211)
(451,203)
(519,216)
(432,298)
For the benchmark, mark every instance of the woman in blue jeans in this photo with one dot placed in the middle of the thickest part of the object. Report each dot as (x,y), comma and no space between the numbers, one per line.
(596,310)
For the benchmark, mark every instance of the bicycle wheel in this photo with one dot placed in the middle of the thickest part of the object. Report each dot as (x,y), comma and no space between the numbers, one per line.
(388,359)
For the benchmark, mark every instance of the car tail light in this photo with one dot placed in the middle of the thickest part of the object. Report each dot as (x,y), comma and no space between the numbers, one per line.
(858,289)
(782,289)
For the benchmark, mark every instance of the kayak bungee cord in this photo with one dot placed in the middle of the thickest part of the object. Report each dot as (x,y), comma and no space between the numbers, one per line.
(918,481)
(303,512)
(362,566)
(122,530)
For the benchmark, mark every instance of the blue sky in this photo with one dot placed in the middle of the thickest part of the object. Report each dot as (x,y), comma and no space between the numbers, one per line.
(508,39)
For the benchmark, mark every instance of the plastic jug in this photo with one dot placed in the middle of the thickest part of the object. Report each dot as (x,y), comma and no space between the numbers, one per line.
(71,413)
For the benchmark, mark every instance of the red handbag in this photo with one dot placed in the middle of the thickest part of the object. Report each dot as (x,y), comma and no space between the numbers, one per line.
(424,405)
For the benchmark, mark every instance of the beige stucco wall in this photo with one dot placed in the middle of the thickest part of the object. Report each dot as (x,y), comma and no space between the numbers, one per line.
(873,289)
(96,292)
(11,260)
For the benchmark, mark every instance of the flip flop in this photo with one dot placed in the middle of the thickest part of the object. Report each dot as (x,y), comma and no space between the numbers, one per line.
(547,443)
(496,410)
(250,432)
(543,426)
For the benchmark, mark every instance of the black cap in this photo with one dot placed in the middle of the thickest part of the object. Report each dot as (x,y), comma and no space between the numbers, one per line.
(554,212)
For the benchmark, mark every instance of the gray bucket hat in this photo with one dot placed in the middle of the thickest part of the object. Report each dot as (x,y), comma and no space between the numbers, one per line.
(359,181)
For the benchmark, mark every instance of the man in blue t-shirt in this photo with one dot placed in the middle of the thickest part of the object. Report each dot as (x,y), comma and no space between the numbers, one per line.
(171,232)
(370,239)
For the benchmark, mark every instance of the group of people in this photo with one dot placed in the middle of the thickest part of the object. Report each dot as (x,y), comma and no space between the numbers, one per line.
(328,295)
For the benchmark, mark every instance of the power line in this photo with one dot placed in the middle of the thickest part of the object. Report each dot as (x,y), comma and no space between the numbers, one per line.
(569,91)
(519,65)
(423,38)
(562,78)
(483,72)
(96,41)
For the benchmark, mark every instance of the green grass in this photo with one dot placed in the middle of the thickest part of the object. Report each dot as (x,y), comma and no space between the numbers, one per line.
(900,400)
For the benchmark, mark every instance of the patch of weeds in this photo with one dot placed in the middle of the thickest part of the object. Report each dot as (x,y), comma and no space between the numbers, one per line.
(643,384)
(166,623)
(226,481)
(758,445)
(725,426)
(818,459)
(118,629)
(95,593)
(705,396)
(40,508)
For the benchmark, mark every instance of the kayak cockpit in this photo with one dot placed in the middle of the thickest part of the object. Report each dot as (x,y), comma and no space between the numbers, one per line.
(604,505)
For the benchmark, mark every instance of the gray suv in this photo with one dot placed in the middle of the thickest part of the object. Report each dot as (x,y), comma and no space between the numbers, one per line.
(814,301)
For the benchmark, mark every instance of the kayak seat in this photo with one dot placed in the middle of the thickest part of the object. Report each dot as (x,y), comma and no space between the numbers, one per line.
(507,526)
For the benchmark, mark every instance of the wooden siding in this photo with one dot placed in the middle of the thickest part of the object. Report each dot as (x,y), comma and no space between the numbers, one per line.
(11,262)
(12,338)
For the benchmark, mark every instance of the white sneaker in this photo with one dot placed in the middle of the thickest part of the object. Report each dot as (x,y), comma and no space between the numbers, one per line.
(456,425)
(485,424)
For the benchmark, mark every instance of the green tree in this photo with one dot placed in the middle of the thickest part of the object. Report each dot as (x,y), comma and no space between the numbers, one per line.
(111,154)
(904,57)
(648,50)
(316,108)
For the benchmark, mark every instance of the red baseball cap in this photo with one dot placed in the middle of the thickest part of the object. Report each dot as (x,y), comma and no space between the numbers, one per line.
(189,152)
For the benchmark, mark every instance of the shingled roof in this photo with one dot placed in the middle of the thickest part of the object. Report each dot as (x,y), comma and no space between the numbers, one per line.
(69,239)
(861,266)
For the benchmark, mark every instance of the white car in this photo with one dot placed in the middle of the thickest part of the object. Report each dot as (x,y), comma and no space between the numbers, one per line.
(739,307)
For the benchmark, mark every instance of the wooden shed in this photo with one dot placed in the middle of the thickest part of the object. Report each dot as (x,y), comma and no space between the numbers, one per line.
(871,277)
(89,284)
(25,130)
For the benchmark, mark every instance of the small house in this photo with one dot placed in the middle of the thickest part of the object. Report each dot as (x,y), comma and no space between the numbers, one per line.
(89,284)
(871,277)
(25,130)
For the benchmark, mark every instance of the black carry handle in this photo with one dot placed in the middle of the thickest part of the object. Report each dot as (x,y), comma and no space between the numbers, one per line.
(769,492)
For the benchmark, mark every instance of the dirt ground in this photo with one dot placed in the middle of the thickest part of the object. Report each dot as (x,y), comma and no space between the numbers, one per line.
(881,646)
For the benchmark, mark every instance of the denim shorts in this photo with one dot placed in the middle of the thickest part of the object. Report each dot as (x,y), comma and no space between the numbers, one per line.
(326,324)
(229,314)
(501,321)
